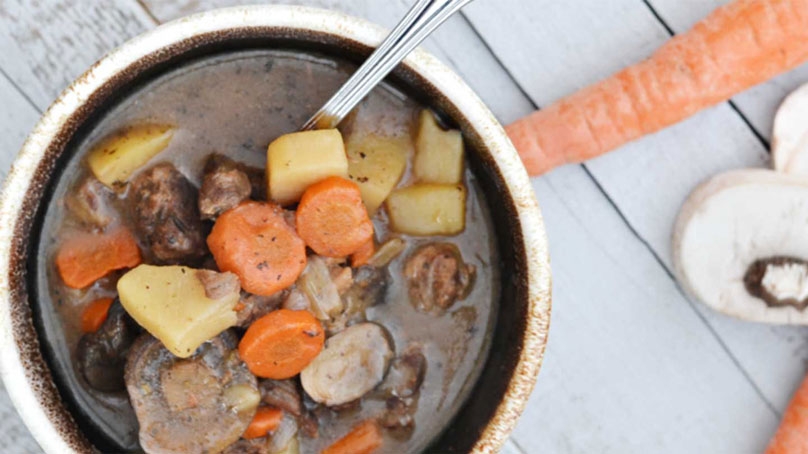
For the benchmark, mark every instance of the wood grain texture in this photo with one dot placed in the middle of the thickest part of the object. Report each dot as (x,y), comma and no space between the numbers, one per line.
(17,117)
(46,44)
(631,367)
(649,179)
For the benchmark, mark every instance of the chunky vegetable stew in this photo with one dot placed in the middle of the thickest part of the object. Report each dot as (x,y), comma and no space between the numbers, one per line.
(219,284)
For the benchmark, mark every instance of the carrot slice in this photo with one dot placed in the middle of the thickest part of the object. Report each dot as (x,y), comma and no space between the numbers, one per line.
(363,254)
(332,219)
(362,439)
(254,241)
(793,432)
(281,344)
(266,419)
(86,257)
(95,314)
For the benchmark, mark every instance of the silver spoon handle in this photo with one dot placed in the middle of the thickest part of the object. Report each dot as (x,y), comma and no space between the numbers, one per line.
(421,20)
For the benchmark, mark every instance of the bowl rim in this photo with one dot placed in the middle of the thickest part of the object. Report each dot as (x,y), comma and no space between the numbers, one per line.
(23,390)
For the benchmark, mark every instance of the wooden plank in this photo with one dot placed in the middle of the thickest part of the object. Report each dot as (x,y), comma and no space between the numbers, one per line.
(14,436)
(548,422)
(759,103)
(647,180)
(47,44)
(607,358)
(17,118)
(629,366)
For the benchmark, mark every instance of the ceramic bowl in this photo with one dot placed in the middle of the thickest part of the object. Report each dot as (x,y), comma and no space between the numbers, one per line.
(517,342)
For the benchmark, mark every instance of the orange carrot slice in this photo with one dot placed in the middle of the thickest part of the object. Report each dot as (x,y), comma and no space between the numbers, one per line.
(85,257)
(95,314)
(254,241)
(362,439)
(281,344)
(362,255)
(266,419)
(332,219)
(737,46)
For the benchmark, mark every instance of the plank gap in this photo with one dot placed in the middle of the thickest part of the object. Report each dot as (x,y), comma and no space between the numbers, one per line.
(148,11)
(628,224)
(19,89)
(496,58)
(690,302)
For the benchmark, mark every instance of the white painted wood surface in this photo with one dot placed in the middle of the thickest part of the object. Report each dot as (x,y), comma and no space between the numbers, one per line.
(633,365)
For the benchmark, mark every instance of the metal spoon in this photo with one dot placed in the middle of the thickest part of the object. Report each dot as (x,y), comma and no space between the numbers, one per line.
(421,20)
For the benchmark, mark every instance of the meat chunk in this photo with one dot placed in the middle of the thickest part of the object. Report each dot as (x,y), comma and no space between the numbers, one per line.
(224,186)
(284,394)
(102,354)
(256,306)
(406,373)
(368,288)
(437,277)
(399,413)
(166,215)
(198,404)
(402,386)
(89,202)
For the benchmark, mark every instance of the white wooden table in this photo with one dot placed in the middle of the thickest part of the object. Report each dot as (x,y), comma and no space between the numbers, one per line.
(633,365)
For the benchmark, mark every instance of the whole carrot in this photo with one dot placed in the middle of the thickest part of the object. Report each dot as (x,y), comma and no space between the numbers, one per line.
(737,46)
(792,436)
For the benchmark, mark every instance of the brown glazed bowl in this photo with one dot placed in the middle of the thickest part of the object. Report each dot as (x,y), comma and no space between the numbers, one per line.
(517,343)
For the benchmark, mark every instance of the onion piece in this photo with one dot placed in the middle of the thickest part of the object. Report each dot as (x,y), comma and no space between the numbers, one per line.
(317,285)
(282,437)
(387,252)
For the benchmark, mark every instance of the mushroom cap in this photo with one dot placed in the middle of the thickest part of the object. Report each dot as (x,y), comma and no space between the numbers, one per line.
(197,404)
(352,363)
(729,222)
(790,133)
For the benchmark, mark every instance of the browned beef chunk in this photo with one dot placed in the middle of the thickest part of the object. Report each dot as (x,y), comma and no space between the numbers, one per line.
(224,186)
(256,306)
(402,385)
(406,373)
(89,202)
(102,354)
(399,413)
(284,394)
(437,277)
(368,285)
(165,212)
(198,404)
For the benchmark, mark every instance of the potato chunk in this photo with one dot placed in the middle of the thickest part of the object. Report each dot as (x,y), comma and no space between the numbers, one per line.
(296,161)
(428,209)
(375,164)
(182,307)
(438,153)
(116,157)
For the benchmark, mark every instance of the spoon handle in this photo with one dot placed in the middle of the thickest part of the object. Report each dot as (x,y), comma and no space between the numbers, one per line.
(421,20)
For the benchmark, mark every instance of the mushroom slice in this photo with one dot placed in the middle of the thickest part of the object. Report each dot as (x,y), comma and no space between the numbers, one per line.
(790,133)
(198,404)
(352,363)
(740,245)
